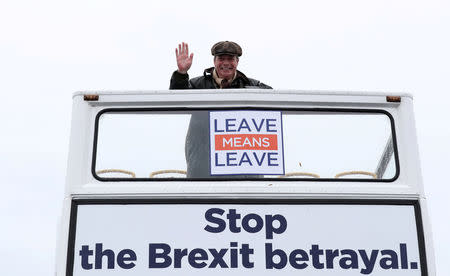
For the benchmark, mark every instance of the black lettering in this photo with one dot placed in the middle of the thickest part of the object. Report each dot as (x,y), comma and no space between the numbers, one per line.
(124,256)
(269,125)
(257,160)
(231,156)
(270,264)
(297,259)
(85,253)
(178,255)
(272,157)
(271,229)
(152,255)
(233,255)
(100,253)
(390,262)
(330,255)
(216,160)
(244,124)
(245,159)
(233,217)
(348,262)
(246,223)
(246,251)
(369,262)
(221,225)
(404,256)
(258,128)
(315,253)
(195,255)
(218,258)
(215,127)
(230,123)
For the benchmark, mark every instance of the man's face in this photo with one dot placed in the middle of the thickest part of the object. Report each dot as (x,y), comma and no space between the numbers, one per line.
(226,66)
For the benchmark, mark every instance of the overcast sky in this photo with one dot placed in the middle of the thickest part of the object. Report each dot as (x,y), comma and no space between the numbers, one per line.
(50,49)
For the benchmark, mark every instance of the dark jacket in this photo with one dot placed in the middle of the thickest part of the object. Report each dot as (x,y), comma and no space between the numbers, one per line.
(197,139)
(182,81)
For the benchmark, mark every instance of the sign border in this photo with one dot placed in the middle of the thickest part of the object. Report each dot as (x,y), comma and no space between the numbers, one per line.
(281,135)
(242,201)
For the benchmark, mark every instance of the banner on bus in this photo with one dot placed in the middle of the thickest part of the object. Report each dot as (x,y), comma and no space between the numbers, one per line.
(245,239)
(246,142)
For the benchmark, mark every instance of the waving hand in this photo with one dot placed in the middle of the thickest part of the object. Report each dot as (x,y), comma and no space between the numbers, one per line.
(184,60)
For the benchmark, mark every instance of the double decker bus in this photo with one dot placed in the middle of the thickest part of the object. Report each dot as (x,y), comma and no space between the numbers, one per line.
(243,182)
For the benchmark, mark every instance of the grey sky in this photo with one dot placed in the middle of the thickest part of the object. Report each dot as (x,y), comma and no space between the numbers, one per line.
(50,49)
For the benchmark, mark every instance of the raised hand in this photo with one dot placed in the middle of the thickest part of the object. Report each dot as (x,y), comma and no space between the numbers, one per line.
(184,60)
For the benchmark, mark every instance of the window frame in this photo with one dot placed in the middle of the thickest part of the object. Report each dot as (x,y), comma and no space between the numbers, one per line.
(186,109)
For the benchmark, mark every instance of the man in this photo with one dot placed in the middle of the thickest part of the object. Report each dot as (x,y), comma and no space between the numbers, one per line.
(223,75)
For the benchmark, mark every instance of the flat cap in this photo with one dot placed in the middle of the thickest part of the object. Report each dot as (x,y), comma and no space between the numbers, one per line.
(226,48)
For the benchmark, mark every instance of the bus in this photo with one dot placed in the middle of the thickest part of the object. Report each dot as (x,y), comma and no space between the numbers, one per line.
(243,182)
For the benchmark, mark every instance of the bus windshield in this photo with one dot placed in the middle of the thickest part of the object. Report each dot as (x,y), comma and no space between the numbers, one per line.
(251,144)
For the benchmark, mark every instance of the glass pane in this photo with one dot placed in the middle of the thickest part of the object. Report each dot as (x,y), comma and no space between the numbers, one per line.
(141,143)
(311,144)
(336,145)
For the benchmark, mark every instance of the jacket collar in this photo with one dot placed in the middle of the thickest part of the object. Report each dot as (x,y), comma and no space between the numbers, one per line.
(239,75)
(219,80)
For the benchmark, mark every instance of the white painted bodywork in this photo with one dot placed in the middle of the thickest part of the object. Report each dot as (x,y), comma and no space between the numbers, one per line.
(80,182)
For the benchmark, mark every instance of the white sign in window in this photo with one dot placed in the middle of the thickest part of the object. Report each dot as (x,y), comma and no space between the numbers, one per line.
(246,142)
